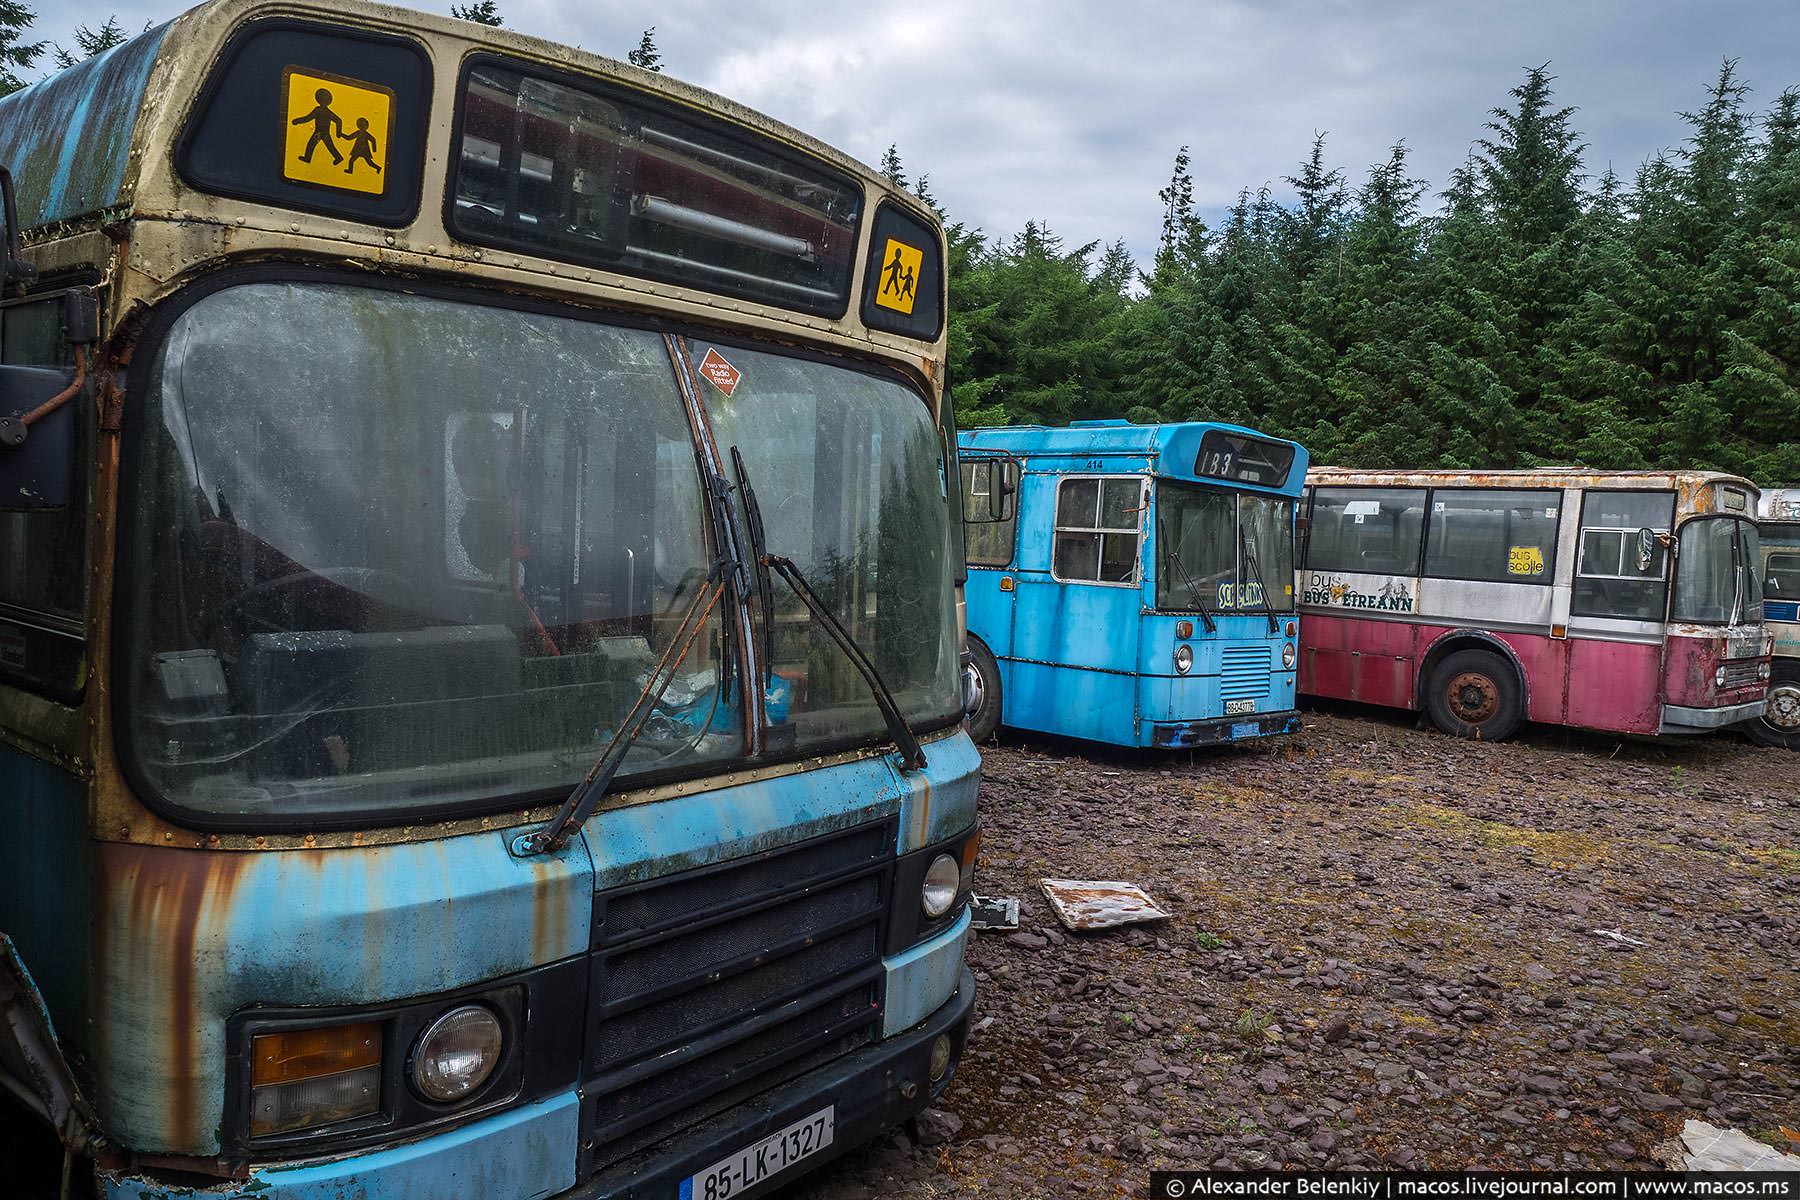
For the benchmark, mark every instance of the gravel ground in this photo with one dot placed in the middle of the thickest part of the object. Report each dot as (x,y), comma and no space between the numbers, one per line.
(1383,953)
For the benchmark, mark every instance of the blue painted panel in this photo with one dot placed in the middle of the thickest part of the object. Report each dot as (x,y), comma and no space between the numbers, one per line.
(68,138)
(940,800)
(188,937)
(45,865)
(923,978)
(525,1154)
(990,609)
(1168,449)
(1096,705)
(1775,610)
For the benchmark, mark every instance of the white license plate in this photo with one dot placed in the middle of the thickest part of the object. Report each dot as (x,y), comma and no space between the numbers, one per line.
(736,1173)
(1234,707)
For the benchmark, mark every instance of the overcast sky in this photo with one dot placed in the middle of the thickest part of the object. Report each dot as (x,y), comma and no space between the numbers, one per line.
(1070,113)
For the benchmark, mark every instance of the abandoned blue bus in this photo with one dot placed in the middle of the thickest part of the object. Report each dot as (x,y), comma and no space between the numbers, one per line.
(1131,584)
(480,706)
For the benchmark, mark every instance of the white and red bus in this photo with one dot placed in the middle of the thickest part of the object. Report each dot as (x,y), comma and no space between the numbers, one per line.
(1780,527)
(1622,601)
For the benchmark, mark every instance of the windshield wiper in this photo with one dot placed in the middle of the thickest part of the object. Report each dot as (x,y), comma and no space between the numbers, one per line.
(1162,534)
(912,757)
(759,550)
(726,575)
(1262,589)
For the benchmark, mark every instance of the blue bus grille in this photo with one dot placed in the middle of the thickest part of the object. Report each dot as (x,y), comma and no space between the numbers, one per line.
(715,984)
(1244,672)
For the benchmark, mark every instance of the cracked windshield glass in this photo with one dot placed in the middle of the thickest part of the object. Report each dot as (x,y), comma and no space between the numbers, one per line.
(401,551)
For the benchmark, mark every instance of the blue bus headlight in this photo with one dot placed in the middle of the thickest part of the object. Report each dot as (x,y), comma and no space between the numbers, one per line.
(943,879)
(456,1054)
(1288,656)
(1184,659)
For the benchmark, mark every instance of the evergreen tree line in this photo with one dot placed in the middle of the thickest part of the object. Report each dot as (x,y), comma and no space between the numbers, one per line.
(1530,319)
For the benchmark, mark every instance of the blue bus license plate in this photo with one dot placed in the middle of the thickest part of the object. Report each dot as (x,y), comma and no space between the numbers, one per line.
(737,1173)
(1244,729)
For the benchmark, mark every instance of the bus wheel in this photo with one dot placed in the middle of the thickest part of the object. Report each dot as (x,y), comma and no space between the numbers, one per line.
(986,717)
(1475,694)
(1780,726)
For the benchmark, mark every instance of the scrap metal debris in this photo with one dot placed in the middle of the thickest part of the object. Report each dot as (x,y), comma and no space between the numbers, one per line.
(1084,904)
(994,912)
(1615,935)
(1704,1147)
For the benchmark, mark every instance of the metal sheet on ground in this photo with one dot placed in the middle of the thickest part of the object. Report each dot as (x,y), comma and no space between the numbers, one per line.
(1085,904)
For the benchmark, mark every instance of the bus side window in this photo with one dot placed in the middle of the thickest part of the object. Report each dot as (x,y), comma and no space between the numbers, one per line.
(1609,580)
(43,554)
(990,488)
(1097,529)
(1492,535)
(1372,531)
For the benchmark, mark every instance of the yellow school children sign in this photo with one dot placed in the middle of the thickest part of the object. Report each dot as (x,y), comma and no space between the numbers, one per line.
(900,268)
(335,131)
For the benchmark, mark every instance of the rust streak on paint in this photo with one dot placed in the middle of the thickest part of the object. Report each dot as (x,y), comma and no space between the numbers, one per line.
(172,894)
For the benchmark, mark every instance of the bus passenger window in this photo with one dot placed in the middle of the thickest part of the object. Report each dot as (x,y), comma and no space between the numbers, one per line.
(1611,579)
(1372,531)
(990,510)
(1490,535)
(1097,529)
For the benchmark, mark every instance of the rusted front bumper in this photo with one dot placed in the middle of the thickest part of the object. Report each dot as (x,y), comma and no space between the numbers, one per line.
(1677,719)
(1180,735)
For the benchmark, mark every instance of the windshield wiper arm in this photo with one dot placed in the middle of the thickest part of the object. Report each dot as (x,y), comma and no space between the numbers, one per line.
(1262,589)
(912,757)
(759,551)
(592,789)
(1162,533)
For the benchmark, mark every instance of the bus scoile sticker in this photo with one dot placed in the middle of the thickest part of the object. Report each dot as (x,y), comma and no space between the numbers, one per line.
(901,266)
(336,131)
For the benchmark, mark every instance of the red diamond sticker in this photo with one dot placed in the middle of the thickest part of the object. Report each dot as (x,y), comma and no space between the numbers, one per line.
(724,376)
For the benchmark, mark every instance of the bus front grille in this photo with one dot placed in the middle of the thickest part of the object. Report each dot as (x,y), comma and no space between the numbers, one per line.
(1740,673)
(715,984)
(1244,672)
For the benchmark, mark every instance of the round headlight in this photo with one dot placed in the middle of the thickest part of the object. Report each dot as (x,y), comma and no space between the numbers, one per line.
(1288,655)
(456,1054)
(942,878)
(1184,659)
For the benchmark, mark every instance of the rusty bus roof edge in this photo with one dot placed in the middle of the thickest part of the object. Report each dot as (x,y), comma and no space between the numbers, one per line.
(1544,476)
(213,23)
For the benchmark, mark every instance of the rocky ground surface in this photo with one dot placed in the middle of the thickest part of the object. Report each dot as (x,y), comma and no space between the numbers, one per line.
(1388,948)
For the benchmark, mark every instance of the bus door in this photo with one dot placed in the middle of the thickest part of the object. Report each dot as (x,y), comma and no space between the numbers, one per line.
(990,484)
(1078,605)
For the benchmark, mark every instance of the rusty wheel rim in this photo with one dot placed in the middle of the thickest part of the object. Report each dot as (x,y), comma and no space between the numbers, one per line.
(1473,697)
(1784,708)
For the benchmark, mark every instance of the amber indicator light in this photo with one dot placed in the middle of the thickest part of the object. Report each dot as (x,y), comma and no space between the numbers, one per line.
(309,1053)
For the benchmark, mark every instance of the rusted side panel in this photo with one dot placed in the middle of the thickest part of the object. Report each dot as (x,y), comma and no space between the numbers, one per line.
(185,938)
(1615,685)
(68,139)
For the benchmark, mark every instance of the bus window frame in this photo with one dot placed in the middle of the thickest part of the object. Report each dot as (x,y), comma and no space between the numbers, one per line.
(1545,578)
(73,625)
(619,90)
(1137,559)
(1016,471)
(127,585)
(347,210)
(1582,529)
(1311,500)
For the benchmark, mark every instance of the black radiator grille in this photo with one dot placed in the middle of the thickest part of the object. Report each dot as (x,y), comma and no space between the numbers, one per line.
(712,984)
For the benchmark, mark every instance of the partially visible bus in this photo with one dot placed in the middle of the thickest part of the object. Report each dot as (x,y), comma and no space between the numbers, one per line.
(1628,602)
(1132,583)
(479,694)
(1779,521)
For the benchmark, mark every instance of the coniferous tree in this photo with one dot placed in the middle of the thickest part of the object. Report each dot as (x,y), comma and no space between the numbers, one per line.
(89,42)
(16,54)
(891,168)
(646,55)
(482,12)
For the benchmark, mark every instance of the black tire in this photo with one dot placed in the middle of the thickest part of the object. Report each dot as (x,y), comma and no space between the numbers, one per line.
(986,717)
(1781,727)
(1475,694)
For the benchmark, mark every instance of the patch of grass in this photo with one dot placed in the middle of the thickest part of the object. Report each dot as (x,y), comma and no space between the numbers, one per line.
(1208,940)
(1253,1027)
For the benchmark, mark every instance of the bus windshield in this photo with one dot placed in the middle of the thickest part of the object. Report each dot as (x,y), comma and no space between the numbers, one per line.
(396,551)
(1718,574)
(1206,540)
